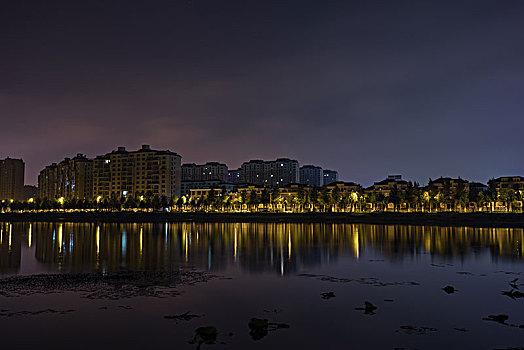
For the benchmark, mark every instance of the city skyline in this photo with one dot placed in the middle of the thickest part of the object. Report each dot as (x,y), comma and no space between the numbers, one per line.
(366,183)
(361,87)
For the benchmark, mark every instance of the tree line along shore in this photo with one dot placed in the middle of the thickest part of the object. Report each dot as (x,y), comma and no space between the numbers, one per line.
(340,197)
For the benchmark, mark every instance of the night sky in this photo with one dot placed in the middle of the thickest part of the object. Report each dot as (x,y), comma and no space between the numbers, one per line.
(423,89)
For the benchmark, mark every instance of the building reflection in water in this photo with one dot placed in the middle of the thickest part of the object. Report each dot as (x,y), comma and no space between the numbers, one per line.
(280,247)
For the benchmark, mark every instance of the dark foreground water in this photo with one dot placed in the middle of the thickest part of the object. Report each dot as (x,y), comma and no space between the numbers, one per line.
(86,286)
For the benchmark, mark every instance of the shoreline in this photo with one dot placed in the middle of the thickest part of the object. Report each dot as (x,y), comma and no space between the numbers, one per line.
(509,220)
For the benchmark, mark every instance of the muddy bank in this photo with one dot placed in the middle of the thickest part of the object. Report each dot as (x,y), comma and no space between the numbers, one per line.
(438,219)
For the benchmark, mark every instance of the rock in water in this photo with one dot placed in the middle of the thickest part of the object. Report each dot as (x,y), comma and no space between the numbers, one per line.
(204,335)
(327,295)
(449,289)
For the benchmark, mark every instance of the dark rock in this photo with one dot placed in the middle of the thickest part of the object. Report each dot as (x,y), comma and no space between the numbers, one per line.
(259,328)
(513,294)
(327,295)
(369,308)
(182,317)
(497,318)
(204,335)
(449,289)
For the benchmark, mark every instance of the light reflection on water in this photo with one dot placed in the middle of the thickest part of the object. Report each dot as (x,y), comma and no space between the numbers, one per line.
(276,271)
(283,248)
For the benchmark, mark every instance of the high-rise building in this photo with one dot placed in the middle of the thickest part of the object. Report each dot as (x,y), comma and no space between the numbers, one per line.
(189,172)
(143,172)
(71,178)
(30,192)
(75,178)
(330,176)
(277,173)
(311,175)
(48,182)
(12,179)
(204,172)
(235,176)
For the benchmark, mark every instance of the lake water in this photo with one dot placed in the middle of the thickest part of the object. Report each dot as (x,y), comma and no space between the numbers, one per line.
(73,285)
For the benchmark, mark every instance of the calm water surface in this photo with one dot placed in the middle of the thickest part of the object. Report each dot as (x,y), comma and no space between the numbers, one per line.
(70,285)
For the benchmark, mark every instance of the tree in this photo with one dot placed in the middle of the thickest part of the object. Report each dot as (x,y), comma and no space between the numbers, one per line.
(313,197)
(276,198)
(265,197)
(253,199)
(336,197)
(325,198)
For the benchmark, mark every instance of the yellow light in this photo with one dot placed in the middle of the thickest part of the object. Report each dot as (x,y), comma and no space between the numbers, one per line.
(289,246)
(60,238)
(356,247)
(98,199)
(141,240)
(97,241)
(236,244)
(61,200)
(31,200)
(29,236)
(11,201)
(10,235)
(141,198)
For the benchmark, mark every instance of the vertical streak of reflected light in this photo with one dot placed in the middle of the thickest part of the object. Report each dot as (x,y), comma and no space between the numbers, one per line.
(289,246)
(236,244)
(141,240)
(281,245)
(124,247)
(355,244)
(97,241)
(60,238)
(10,235)
(185,245)
(97,246)
(29,236)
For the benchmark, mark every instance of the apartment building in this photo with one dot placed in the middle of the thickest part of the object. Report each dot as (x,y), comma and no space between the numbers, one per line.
(48,182)
(311,175)
(235,176)
(330,176)
(448,183)
(204,172)
(392,182)
(122,173)
(514,182)
(72,178)
(12,179)
(277,173)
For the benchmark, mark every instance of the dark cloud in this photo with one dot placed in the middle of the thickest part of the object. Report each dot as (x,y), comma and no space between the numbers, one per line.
(369,88)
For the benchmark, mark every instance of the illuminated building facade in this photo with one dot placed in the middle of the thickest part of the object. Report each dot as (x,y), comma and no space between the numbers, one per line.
(344,187)
(12,179)
(391,183)
(187,186)
(277,173)
(508,182)
(144,172)
(449,183)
